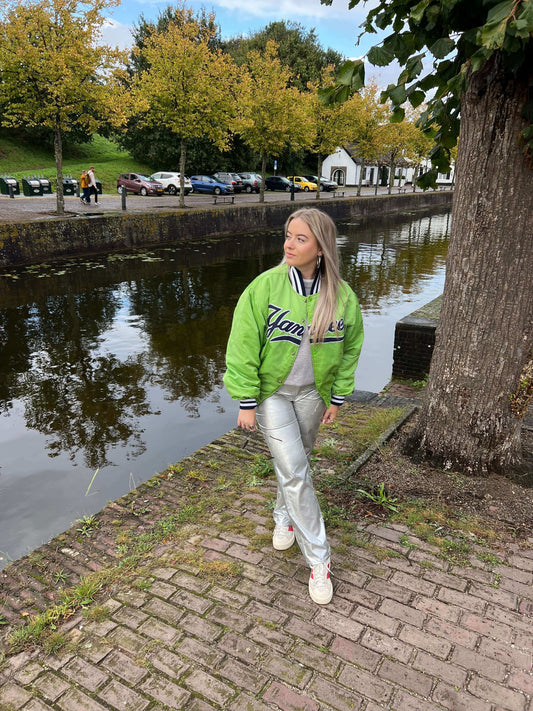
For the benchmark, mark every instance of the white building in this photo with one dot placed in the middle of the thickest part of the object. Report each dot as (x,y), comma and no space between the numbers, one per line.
(344,166)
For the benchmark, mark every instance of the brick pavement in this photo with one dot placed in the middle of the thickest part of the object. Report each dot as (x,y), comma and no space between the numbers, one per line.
(405,631)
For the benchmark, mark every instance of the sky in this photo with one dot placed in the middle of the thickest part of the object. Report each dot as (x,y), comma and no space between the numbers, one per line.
(336,26)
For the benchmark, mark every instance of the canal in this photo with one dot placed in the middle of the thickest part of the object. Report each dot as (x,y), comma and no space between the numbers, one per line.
(111,368)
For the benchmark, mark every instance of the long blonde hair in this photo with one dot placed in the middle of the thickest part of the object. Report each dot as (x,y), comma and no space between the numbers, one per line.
(325,232)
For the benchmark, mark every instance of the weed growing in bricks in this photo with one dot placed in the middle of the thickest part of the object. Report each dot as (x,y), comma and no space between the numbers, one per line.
(60,577)
(440,526)
(88,525)
(97,613)
(53,642)
(380,496)
(261,467)
(404,541)
(490,559)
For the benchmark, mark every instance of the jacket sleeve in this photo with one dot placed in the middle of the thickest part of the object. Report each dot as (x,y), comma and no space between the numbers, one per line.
(343,383)
(243,354)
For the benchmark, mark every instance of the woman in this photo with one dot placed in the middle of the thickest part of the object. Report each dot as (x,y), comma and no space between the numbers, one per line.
(84,184)
(294,345)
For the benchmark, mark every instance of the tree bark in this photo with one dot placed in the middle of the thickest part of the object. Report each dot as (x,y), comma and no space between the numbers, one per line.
(318,175)
(360,181)
(183,152)
(263,176)
(58,154)
(485,332)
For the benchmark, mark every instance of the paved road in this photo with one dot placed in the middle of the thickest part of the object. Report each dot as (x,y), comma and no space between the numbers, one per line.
(21,208)
(406,630)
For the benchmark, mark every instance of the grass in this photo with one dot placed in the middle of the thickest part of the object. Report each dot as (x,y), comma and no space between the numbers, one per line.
(350,437)
(21,160)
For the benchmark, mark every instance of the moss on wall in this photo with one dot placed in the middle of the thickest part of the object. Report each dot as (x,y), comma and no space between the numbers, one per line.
(35,242)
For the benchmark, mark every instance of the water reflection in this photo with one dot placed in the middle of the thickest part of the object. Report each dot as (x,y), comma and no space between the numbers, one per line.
(116,363)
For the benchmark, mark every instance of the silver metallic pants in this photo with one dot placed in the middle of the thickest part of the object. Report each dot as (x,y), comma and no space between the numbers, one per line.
(289,421)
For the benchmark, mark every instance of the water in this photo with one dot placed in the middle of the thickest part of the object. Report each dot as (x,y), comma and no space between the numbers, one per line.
(115,365)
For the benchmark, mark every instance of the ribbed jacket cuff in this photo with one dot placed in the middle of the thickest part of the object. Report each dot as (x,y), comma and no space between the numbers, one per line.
(337,400)
(249,404)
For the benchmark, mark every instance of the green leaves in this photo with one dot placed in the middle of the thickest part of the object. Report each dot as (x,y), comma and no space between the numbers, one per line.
(350,78)
(492,34)
(380,56)
(442,47)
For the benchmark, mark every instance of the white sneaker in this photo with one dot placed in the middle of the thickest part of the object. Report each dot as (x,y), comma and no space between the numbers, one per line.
(283,538)
(320,587)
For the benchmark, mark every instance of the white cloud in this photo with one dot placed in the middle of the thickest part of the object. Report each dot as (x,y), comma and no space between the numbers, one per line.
(116,34)
(288,9)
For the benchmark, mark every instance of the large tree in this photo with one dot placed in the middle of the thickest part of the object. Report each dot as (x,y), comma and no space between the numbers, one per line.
(186,87)
(54,72)
(480,380)
(298,49)
(332,124)
(275,115)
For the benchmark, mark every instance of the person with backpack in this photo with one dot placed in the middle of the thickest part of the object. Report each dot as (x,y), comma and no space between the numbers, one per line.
(84,184)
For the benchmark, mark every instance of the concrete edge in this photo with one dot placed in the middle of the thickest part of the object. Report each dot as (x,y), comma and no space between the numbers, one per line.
(381,440)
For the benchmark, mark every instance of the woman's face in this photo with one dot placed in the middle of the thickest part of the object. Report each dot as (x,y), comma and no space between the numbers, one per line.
(301,248)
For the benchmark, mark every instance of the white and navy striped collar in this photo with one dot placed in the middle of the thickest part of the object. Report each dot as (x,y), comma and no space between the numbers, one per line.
(297,282)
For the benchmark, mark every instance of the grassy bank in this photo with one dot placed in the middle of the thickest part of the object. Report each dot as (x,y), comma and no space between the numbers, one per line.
(21,160)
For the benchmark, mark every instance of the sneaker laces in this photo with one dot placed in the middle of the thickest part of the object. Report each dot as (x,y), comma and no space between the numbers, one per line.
(320,574)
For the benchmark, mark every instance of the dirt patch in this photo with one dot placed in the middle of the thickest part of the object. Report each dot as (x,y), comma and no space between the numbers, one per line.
(505,504)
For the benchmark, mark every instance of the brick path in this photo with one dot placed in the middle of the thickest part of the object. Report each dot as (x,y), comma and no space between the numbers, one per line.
(406,630)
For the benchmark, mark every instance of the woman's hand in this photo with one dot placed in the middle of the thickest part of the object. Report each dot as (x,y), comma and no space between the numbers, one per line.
(329,416)
(247,420)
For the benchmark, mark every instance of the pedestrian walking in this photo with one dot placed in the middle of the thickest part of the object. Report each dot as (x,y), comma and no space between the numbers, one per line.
(86,191)
(92,184)
(294,345)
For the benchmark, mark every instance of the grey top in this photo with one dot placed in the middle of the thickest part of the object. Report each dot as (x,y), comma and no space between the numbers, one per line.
(302,369)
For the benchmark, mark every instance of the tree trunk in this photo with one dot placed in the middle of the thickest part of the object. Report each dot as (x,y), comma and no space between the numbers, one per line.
(391,176)
(58,153)
(183,154)
(319,175)
(485,332)
(361,170)
(263,176)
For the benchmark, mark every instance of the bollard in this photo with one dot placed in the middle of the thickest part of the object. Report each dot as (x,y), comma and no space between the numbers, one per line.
(11,191)
(123,196)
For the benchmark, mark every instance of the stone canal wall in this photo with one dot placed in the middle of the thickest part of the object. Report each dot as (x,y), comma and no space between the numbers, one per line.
(414,339)
(37,241)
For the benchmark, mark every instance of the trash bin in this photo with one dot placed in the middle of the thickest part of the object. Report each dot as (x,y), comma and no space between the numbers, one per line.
(46,185)
(70,185)
(6,181)
(31,186)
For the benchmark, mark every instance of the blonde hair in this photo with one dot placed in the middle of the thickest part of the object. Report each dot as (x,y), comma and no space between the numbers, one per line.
(325,232)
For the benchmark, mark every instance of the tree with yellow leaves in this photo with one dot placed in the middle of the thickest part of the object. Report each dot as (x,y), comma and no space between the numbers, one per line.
(55,73)
(332,124)
(275,114)
(187,87)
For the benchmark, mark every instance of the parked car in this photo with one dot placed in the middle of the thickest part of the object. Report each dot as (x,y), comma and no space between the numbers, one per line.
(139,184)
(171,182)
(209,184)
(229,179)
(252,182)
(238,184)
(278,182)
(325,184)
(305,184)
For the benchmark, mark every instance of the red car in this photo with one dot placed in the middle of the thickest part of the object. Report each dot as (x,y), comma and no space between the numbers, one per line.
(139,184)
